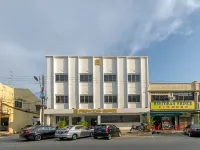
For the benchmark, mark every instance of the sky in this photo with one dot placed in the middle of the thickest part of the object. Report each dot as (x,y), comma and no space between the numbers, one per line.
(166,31)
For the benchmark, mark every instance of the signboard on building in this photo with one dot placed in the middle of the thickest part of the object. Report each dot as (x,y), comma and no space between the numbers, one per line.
(97,62)
(86,111)
(174,105)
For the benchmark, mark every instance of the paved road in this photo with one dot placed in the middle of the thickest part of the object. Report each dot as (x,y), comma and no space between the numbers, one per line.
(128,143)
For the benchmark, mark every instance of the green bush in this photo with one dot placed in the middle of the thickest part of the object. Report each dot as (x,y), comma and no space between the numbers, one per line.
(149,122)
(61,124)
(83,123)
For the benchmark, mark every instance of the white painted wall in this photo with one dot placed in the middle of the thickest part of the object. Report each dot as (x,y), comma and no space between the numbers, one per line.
(74,66)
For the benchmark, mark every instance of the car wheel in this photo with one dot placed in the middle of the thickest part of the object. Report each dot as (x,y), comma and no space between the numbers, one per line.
(95,137)
(119,134)
(61,139)
(74,137)
(91,134)
(38,137)
(190,134)
(109,137)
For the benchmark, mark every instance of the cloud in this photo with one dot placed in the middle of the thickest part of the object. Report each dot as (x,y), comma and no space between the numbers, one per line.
(32,29)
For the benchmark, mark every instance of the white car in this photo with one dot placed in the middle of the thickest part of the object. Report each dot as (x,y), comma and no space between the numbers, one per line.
(73,132)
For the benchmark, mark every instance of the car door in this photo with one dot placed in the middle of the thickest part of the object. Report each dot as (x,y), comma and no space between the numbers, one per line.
(44,131)
(86,132)
(52,131)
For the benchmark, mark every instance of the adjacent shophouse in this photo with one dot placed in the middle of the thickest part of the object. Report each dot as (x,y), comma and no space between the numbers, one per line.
(96,90)
(18,108)
(174,105)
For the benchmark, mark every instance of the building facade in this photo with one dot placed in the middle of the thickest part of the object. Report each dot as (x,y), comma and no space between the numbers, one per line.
(96,90)
(174,104)
(17,108)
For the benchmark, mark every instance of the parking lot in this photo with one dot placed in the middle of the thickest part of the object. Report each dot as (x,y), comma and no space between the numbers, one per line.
(138,142)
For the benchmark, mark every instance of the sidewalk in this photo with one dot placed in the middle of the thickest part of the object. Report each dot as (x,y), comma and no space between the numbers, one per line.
(140,133)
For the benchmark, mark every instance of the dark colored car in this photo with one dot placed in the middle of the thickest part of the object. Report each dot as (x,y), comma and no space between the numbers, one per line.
(106,131)
(194,130)
(186,129)
(37,133)
(27,126)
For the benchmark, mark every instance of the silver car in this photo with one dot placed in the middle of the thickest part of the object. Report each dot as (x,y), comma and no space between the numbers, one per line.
(73,132)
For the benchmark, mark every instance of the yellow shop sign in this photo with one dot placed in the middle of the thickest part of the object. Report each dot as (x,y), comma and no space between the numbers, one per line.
(86,111)
(185,105)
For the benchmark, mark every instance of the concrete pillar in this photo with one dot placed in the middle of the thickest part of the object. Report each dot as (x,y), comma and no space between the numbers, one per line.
(98,119)
(48,120)
(141,118)
(70,120)
(82,118)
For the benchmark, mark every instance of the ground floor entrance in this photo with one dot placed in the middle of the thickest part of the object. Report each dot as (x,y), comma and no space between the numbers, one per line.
(171,120)
(4,124)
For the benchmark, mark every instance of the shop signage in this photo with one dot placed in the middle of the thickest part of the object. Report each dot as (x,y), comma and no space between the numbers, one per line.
(172,105)
(86,111)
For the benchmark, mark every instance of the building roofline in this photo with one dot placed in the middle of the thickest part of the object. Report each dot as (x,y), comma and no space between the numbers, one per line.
(172,82)
(96,56)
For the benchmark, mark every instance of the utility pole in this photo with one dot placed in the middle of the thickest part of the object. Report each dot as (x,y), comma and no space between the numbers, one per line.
(43,99)
(42,96)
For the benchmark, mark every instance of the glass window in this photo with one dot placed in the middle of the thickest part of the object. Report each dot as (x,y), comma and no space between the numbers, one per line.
(114,99)
(106,99)
(110,78)
(119,119)
(134,98)
(18,104)
(57,78)
(61,99)
(129,78)
(62,118)
(137,78)
(133,78)
(90,99)
(86,99)
(61,77)
(82,100)
(86,78)
(106,78)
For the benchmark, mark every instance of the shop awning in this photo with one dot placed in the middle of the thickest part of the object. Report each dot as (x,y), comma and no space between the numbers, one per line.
(165,113)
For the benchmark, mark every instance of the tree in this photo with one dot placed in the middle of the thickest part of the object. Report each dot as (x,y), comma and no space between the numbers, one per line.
(61,124)
(149,122)
(83,123)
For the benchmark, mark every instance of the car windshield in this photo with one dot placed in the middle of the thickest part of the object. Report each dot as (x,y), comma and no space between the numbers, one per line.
(100,127)
(32,127)
(196,125)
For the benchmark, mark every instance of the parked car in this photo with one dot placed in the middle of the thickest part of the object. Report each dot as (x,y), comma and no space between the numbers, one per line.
(37,133)
(106,131)
(27,126)
(194,130)
(186,129)
(73,132)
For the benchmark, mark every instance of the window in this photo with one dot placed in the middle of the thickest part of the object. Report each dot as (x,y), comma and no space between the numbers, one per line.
(184,95)
(159,97)
(61,99)
(86,99)
(62,118)
(51,128)
(61,77)
(133,78)
(85,78)
(118,119)
(18,104)
(134,98)
(110,99)
(110,78)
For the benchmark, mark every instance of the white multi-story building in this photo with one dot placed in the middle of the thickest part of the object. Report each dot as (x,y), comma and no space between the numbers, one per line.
(97,89)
